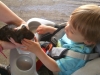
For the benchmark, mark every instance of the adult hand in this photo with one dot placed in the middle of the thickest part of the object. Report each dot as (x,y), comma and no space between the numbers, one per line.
(17,45)
(7,45)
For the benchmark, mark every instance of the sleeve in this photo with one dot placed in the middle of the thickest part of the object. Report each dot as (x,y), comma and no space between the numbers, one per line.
(69,64)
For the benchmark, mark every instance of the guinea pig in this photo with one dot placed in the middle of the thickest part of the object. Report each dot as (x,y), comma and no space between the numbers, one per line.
(18,35)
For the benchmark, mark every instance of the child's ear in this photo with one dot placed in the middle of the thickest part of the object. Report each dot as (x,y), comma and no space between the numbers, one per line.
(89,42)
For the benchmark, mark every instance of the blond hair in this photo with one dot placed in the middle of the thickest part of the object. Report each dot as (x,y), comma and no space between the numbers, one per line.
(86,19)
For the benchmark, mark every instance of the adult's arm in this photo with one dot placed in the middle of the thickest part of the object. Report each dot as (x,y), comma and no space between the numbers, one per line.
(8,16)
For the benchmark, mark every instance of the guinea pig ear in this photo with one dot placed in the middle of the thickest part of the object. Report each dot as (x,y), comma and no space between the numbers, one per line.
(23,27)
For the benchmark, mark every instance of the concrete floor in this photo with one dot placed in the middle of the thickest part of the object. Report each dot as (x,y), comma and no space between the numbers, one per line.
(54,10)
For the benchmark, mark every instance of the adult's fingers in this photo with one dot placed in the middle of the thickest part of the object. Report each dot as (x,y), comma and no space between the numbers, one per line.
(13,41)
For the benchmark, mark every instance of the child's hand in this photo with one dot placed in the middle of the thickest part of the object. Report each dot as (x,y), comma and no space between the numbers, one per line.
(42,29)
(32,46)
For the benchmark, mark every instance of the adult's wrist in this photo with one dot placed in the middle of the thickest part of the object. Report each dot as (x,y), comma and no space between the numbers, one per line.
(20,23)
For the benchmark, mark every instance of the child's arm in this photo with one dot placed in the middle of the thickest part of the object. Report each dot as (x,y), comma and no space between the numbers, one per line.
(43,29)
(34,47)
(47,61)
